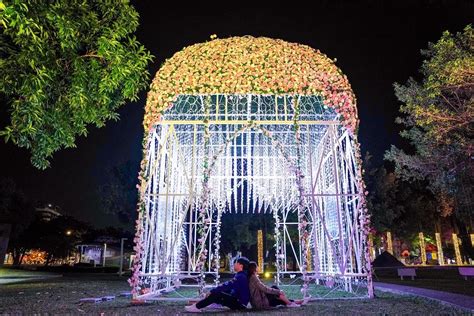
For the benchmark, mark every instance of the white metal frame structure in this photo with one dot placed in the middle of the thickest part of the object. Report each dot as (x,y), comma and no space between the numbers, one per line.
(212,154)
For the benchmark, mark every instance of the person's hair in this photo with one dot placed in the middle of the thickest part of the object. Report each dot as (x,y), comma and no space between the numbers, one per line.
(244,261)
(252,268)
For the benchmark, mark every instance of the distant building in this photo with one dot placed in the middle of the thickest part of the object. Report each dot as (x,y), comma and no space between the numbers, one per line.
(94,254)
(48,212)
(91,253)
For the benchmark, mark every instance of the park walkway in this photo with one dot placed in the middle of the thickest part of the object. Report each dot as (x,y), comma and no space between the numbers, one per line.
(10,276)
(459,300)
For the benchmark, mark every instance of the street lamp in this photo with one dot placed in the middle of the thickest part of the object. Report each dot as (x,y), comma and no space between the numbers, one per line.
(68,233)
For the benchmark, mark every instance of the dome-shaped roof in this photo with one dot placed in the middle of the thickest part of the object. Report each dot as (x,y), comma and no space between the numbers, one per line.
(243,65)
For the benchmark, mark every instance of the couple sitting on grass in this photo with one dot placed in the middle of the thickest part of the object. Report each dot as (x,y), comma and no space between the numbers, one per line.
(245,287)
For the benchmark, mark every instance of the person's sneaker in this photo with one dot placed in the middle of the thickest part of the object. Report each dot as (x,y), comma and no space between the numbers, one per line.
(305,300)
(192,309)
(292,304)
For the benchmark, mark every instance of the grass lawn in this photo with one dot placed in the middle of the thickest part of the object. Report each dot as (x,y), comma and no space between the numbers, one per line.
(8,276)
(61,296)
(7,273)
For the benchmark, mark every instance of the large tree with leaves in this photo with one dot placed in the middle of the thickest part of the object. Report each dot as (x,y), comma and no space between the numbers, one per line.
(66,65)
(439,122)
(18,211)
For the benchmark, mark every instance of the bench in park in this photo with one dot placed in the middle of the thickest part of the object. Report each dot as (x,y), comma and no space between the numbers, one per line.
(405,272)
(466,272)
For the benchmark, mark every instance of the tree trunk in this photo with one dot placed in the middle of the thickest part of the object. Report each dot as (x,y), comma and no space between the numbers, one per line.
(22,254)
(15,256)
(438,225)
(466,246)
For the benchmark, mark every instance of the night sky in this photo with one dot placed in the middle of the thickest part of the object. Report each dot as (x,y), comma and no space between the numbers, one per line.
(375,46)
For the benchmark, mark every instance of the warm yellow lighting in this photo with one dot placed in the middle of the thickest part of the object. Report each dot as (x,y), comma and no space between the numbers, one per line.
(456,249)
(422,248)
(267,275)
(68,233)
(35,256)
(308,257)
(371,247)
(260,250)
(440,249)
(389,243)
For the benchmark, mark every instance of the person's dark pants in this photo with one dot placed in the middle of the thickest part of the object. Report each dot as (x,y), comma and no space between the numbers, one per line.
(220,298)
(273,299)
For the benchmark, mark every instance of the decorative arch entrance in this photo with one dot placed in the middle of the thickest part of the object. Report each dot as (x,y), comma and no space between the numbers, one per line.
(285,153)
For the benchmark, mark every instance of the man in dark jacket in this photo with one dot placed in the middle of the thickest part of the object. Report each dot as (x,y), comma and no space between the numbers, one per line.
(233,294)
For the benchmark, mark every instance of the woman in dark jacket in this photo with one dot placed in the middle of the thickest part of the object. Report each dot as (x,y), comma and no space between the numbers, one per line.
(262,296)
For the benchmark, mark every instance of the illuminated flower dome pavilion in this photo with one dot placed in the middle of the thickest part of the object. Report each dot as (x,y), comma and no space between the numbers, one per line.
(251,125)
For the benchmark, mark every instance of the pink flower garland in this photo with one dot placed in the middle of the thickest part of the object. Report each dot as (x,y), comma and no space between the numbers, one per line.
(249,65)
(134,280)
(364,217)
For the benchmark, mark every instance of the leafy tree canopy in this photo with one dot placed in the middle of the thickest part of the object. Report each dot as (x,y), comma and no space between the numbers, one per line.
(65,65)
(439,123)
